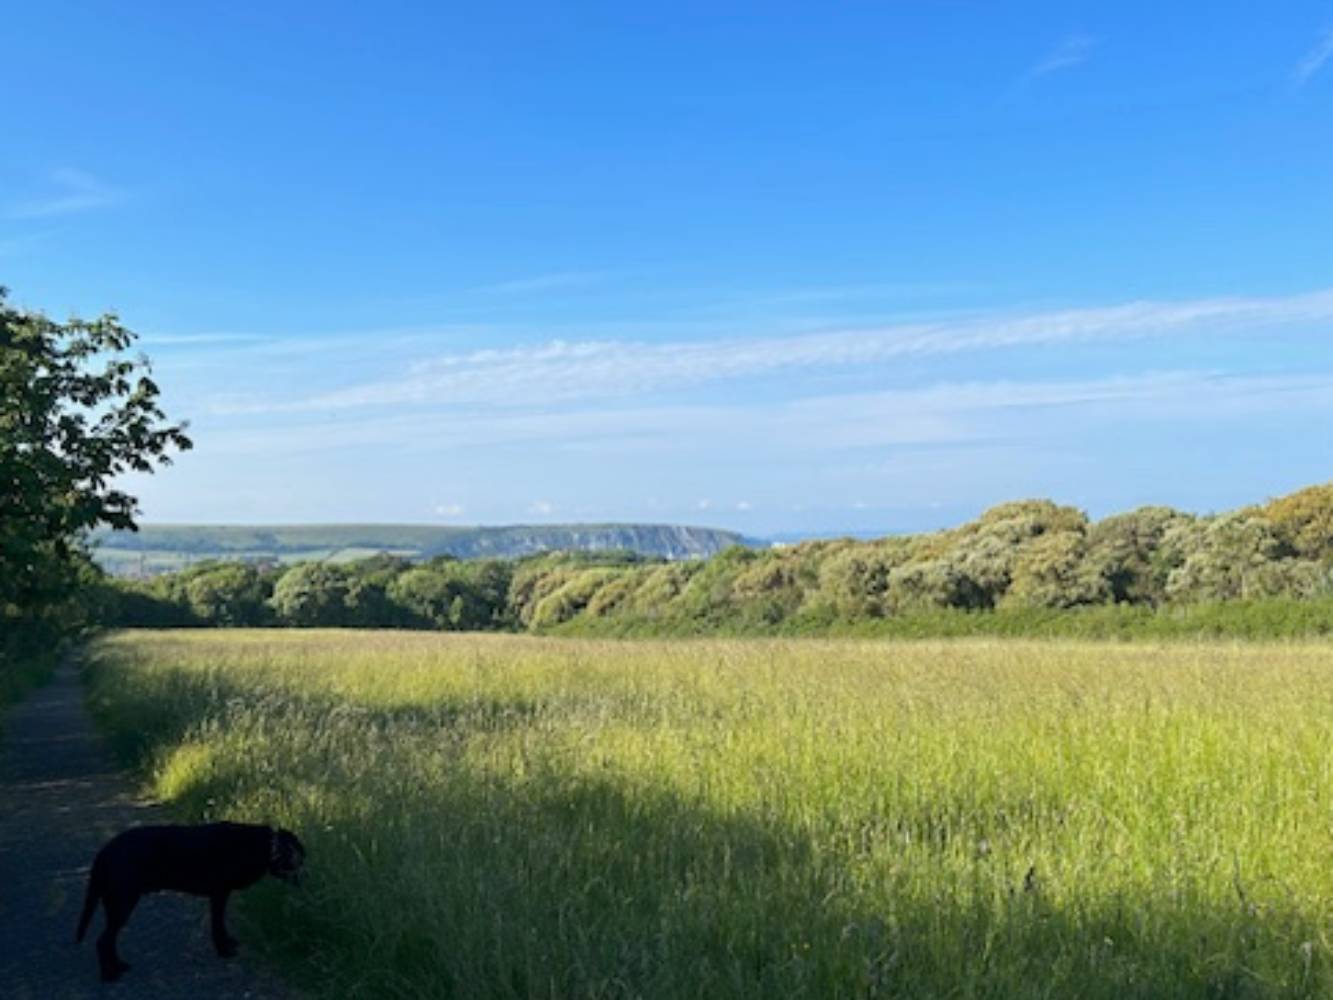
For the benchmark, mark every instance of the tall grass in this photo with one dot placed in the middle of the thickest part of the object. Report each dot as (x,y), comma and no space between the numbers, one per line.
(505,816)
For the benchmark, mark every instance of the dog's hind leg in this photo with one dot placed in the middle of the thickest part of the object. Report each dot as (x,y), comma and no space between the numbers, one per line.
(118,910)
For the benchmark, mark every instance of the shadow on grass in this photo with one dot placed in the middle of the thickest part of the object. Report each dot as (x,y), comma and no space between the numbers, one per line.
(587,891)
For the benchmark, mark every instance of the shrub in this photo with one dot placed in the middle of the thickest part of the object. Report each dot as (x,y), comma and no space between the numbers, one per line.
(934,584)
(1228,557)
(1051,572)
(571,597)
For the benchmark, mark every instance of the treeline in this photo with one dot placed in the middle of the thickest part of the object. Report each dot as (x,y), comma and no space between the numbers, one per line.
(1040,567)
(379,592)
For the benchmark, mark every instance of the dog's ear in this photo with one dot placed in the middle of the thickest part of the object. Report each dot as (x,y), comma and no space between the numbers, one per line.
(288,857)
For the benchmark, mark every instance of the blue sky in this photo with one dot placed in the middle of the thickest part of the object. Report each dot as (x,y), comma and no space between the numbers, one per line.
(776,267)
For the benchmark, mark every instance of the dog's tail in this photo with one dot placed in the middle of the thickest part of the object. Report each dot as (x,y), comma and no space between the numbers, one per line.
(90,899)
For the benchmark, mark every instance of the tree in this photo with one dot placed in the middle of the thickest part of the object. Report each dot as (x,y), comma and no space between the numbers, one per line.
(229,594)
(453,595)
(367,599)
(312,595)
(1126,552)
(1304,521)
(76,412)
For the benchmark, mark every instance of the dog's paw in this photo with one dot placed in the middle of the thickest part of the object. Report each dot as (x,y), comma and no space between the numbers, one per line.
(111,973)
(228,949)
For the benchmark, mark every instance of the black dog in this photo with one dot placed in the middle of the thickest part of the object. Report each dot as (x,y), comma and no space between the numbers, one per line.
(210,860)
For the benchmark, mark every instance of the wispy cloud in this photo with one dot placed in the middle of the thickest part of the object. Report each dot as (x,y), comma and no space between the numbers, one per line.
(1314,59)
(70,192)
(896,291)
(449,510)
(1072,51)
(565,371)
(943,414)
(201,339)
(541,283)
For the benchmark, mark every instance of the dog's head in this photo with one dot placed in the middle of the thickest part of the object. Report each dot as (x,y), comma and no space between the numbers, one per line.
(286,855)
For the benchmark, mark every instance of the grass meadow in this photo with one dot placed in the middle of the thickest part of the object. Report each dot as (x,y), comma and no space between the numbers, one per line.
(510,816)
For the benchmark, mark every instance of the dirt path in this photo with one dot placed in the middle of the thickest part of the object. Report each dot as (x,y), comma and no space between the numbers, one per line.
(61,797)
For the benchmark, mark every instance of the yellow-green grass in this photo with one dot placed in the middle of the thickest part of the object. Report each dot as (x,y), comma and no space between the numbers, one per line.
(493,816)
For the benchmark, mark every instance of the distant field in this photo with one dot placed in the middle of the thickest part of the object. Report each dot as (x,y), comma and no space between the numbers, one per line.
(511,816)
(151,562)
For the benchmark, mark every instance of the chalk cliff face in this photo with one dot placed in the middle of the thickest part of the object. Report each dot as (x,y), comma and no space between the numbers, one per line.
(165,547)
(669,541)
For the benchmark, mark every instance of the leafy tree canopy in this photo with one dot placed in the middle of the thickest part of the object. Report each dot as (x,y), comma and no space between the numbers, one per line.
(313,595)
(76,411)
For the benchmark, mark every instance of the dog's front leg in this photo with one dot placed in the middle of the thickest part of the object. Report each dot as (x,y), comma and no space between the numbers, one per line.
(222,941)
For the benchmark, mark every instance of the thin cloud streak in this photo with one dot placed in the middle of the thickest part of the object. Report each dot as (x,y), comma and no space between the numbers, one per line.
(562,371)
(1314,59)
(1071,52)
(846,293)
(77,191)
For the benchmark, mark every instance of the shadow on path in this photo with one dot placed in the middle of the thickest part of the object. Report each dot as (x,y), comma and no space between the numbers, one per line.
(61,797)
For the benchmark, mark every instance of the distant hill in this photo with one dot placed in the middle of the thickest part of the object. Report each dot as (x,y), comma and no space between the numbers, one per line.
(160,548)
